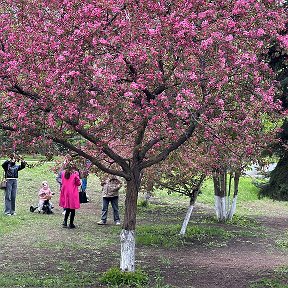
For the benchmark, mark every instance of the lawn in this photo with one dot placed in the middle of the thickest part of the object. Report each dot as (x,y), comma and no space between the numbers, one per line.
(251,250)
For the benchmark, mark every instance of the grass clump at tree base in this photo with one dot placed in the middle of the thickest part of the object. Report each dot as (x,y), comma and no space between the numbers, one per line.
(114,276)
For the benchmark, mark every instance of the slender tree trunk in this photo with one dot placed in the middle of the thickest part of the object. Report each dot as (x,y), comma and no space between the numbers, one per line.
(235,194)
(188,214)
(224,210)
(127,236)
(219,180)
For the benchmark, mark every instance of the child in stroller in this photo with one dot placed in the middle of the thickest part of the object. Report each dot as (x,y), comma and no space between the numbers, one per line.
(45,195)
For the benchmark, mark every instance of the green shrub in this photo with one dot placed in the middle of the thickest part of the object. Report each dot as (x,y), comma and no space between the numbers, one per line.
(114,276)
(143,203)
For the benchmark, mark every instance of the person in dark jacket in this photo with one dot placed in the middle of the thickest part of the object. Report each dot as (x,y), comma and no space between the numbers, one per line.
(11,174)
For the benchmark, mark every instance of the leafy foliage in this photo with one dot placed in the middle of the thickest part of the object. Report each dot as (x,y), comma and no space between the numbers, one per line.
(277,186)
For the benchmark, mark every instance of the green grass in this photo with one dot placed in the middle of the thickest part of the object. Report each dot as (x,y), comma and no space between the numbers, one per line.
(205,233)
(247,191)
(158,226)
(248,202)
(117,278)
(277,279)
(29,279)
(282,241)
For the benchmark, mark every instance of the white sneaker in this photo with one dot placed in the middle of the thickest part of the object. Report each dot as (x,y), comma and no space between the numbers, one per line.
(7,214)
(117,223)
(101,223)
(63,212)
(14,214)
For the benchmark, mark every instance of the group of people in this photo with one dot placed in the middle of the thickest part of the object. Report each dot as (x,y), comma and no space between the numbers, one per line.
(69,180)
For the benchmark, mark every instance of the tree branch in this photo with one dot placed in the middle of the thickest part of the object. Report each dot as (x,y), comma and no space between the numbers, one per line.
(139,138)
(164,154)
(108,151)
(7,128)
(148,146)
(87,156)
(19,90)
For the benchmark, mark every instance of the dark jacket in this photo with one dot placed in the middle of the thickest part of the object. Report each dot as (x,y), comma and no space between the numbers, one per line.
(11,170)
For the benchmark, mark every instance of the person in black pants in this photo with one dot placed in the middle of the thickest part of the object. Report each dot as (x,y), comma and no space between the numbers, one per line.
(11,174)
(69,194)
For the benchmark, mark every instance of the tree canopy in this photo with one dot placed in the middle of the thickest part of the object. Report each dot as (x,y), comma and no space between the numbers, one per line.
(113,78)
(128,82)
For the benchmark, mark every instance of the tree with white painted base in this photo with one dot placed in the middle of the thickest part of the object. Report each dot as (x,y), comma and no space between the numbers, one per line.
(128,82)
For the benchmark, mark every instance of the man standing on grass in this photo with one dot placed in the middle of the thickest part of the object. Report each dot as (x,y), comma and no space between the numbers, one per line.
(110,193)
(11,175)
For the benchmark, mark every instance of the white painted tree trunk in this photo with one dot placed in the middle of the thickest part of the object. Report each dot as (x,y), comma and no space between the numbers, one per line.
(127,238)
(220,207)
(186,220)
(233,208)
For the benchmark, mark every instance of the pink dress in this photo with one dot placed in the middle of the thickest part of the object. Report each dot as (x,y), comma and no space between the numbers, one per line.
(69,194)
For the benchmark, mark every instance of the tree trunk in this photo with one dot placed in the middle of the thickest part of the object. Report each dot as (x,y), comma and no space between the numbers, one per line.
(232,208)
(193,198)
(220,207)
(186,220)
(235,194)
(127,236)
(224,210)
(219,180)
(148,194)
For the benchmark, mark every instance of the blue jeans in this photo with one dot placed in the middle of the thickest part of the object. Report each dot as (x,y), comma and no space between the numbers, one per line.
(114,203)
(10,196)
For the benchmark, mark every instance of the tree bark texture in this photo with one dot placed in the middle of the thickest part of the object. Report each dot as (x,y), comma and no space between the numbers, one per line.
(127,236)
(127,262)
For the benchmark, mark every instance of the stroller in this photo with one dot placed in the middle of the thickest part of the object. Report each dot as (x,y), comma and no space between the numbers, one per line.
(46,209)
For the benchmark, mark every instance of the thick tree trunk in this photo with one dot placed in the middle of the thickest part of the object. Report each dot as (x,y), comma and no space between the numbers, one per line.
(127,237)
(277,187)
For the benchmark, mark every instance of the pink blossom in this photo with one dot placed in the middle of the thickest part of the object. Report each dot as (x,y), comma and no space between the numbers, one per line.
(283,40)
(229,38)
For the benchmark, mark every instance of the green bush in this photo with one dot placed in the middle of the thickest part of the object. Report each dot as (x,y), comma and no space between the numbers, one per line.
(114,276)
(143,203)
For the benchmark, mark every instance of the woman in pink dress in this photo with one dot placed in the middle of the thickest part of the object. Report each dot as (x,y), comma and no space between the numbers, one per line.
(69,195)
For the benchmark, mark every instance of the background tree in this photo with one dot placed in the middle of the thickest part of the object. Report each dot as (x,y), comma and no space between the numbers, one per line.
(277,187)
(181,173)
(127,82)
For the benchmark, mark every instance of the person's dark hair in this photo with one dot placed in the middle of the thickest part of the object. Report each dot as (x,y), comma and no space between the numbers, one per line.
(11,156)
(68,172)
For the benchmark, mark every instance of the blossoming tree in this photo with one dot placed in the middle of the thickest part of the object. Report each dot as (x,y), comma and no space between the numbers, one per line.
(126,82)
